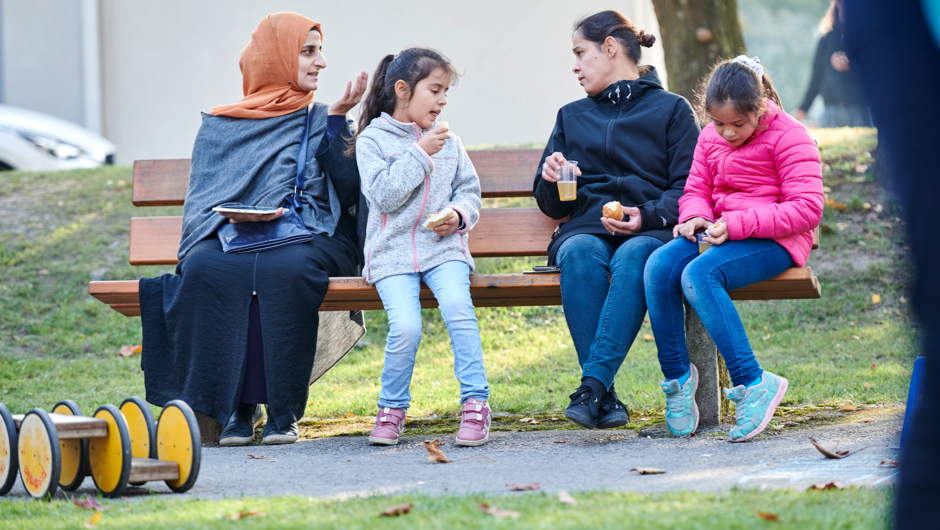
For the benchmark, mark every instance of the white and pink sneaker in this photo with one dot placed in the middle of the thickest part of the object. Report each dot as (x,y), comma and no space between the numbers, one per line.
(389,425)
(474,423)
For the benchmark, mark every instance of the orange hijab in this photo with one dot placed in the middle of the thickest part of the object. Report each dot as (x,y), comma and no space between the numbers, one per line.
(269,69)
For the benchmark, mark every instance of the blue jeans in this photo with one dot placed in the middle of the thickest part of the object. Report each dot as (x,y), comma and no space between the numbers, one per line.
(678,269)
(604,315)
(450,283)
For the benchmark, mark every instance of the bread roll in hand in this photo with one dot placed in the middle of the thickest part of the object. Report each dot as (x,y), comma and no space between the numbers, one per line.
(438,218)
(613,210)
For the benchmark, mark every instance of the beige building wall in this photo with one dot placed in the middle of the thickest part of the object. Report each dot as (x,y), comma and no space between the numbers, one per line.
(164,62)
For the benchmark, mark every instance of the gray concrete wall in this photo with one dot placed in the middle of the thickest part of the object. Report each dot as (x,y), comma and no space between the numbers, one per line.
(41,56)
(164,62)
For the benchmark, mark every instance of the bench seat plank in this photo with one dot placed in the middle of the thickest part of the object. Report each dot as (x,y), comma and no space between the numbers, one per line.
(487,290)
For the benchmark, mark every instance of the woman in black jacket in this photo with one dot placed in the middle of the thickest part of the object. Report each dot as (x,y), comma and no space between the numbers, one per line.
(633,142)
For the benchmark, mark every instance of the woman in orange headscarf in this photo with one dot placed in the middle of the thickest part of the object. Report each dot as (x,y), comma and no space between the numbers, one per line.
(230,332)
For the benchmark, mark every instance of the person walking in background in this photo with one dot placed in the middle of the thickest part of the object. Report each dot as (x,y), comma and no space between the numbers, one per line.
(844,104)
(756,191)
(909,133)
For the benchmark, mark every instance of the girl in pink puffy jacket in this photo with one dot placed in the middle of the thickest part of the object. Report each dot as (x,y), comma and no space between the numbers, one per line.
(753,197)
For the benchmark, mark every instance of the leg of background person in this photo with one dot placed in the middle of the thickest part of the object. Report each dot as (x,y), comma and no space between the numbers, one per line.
(254,389)
(706,282)
(399,295)
(450,283)
(664,300)
(585,263)
(910,131)
(623,310)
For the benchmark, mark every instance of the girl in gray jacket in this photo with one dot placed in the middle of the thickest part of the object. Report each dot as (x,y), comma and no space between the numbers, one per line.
(423,196)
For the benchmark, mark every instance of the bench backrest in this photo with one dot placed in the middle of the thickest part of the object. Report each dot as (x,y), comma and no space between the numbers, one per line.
(500,232)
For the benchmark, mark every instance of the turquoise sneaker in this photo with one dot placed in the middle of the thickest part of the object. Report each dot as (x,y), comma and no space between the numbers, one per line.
(681,409)
(754,406)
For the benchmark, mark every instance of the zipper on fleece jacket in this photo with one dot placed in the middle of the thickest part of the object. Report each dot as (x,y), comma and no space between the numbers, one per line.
(414,230)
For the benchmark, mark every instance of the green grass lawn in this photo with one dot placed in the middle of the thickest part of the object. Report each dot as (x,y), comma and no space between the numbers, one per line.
(60,230)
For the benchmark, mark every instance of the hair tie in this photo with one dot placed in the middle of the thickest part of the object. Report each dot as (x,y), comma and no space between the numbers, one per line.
(751,62)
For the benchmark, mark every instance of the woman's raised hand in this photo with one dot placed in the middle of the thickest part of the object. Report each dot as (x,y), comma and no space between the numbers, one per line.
(631,226)
(688,228)
(434,140)
(552,165)
(353,95)
(254,217)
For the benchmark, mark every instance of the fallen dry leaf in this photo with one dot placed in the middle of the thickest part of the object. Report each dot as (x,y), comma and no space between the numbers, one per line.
(848,408)
(874,367)
(89,503)
(560,441)
(496,512)
(435,454)
(867,385)
(127,351)
(249,513)
(830,486)
(533,421)
(839,206)
(878,208)
(399,509)
(832,453)
(519,487)
(93,520)
(789,424)
(259,457)
(565,498)
(876,299)
(889,463)
(647,336)
(841,226)
(902,300)
(767,515)
(648,470)
(350,415)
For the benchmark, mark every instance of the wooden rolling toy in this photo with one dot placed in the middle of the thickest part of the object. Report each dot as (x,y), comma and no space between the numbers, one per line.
(116,447)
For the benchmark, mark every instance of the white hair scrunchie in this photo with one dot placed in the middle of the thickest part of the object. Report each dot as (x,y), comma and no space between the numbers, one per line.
(751,62)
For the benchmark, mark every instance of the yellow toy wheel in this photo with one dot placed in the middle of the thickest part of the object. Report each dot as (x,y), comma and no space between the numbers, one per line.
(74,451)
(143,429)
(110,457)
(8,451)
(178,440)
(39,454)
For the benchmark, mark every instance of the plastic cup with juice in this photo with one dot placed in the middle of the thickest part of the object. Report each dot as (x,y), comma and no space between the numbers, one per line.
(568,183)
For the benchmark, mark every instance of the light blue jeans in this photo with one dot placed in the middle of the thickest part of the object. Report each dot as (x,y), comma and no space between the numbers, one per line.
(450,283)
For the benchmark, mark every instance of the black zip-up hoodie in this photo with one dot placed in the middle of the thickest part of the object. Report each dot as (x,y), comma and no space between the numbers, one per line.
(633,143)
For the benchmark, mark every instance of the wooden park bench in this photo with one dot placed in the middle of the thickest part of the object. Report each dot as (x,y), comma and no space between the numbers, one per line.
(500,232)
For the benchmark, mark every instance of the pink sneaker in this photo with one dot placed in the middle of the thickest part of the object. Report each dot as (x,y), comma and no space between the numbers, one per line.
(474,423)
(389,424)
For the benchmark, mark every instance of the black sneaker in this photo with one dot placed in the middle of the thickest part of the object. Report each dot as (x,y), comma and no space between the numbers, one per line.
(241,425)
(273,435)
(586,403)
(613,412)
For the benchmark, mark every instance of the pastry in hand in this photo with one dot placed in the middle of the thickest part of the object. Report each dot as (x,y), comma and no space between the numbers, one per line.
(438,218)
(613,210)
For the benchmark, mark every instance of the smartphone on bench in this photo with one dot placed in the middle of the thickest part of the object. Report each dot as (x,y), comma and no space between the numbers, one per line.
(542,269)
(240,208)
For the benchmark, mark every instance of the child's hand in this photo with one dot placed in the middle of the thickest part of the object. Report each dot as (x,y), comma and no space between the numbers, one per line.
(449,226)
(253,217)
(552,165)
(434,140)
(717,233)
(688,228)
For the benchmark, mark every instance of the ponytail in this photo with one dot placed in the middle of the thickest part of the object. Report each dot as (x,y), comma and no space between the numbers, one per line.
(377,101)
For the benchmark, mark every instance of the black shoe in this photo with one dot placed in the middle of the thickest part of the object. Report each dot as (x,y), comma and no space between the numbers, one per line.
(273,435)
(241,425)
(586,403)
(613,412)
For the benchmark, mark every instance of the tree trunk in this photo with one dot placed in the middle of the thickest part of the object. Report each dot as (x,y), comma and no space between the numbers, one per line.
(696,34)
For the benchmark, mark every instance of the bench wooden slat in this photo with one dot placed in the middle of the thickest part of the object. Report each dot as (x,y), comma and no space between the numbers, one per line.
(500,232)
(503,173)
(487,290)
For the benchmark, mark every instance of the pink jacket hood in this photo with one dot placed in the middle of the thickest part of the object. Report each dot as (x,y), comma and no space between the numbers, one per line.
(768,188)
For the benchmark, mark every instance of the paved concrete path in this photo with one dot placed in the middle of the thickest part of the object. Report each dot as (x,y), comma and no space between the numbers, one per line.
(347,466)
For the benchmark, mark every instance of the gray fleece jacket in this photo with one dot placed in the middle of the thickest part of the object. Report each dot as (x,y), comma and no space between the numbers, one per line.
(402,185)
